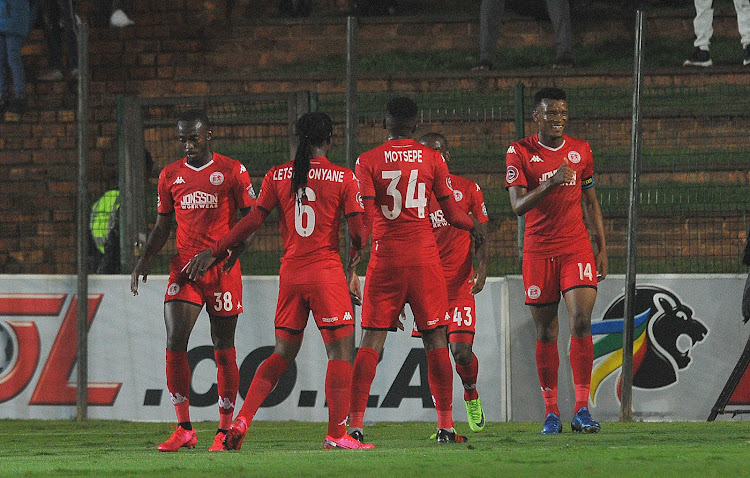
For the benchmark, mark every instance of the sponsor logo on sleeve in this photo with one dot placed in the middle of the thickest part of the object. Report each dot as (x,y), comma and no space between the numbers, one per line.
(511,174)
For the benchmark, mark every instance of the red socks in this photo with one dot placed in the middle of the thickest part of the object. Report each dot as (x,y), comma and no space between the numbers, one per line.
(547,363)
(440,377)
(468,374)
(363,374)
(178,384)
(265,379)
(228,380)
(581,361)
(338,390)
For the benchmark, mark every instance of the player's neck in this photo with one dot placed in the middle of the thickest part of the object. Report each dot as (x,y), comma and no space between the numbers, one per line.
(201,161)
(552,142)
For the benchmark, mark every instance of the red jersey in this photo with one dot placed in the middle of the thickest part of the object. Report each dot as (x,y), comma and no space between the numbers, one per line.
(204,200)
(310,230)
(555,225)
(453,243)
(401,175)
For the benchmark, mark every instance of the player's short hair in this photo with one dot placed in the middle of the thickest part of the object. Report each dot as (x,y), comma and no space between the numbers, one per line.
(402,109)
(434,139)
(190,116)
(550,93)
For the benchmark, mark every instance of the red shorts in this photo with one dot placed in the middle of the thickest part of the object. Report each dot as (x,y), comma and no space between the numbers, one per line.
(328,300)
(220,292)
(463,324)
(388,289)
(546,278)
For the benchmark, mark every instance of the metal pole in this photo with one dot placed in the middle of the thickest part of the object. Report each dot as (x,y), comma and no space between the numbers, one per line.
(520,121)
(626,410)
(82,226)
(351,117)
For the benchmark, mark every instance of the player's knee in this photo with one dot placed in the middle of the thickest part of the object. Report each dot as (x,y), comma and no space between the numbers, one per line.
(581,325)
(462,353)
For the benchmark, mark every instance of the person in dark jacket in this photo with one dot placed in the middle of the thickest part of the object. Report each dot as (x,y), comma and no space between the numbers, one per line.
(15,23)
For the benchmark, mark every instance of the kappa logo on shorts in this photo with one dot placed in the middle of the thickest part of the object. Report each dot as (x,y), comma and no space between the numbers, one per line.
(534,292)
(574,157)
(173,289)
(216,178)
(347,316)
(511,174)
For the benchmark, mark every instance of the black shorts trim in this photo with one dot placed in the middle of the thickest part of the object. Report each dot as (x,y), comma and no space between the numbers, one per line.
(291,331)
(469,332)
(184,301)
(582,286)
(557,302)
(334,327)
(387,329)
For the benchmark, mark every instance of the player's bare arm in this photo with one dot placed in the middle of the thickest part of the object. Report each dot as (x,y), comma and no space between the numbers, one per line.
(592,213)
(236,251)
(156,240)
(522,200)
(481,253)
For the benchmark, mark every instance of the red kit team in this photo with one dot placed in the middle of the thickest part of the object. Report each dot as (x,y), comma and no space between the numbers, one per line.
(404,197)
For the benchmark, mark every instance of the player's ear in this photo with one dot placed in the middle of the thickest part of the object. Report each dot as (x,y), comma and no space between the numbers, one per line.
(209,135)
(535,115)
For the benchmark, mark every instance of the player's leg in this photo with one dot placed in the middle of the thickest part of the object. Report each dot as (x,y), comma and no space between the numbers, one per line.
(265,379)
(461,330)
(363,373)
(227,373)
(338,387)
(547,363)
(179,319)
(578,282)
(384,298)
(580,302)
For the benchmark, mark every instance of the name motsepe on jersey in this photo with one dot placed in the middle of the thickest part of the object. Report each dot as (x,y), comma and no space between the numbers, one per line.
(407,156)
(321,174)
(200,200)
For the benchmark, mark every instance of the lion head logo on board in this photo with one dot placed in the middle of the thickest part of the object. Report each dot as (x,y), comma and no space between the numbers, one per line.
(665,334)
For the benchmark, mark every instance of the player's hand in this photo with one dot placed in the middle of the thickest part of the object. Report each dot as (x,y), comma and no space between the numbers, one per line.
(480,276)
(602,265)
(477,233)
(355,289)
(199,264)
(401,319)
(142,268)
(355,257)
(564,174)
(234,255)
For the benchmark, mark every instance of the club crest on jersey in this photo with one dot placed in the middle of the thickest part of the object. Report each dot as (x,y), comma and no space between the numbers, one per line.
(173,289)
(216,178)
(458,195)
(359,200)
(534,292)
(511,174)
(574,157)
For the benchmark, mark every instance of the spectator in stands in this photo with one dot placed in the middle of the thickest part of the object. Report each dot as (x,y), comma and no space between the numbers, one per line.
(15,23)
(59,21)
(703,26)
(490,16)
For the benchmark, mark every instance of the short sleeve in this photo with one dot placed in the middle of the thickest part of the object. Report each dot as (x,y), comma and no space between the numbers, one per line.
(477,207)
(352,197)
(366,186)
(441,187)
(588,169)
(514,175)
(242,187)
(164,201)
(268,197)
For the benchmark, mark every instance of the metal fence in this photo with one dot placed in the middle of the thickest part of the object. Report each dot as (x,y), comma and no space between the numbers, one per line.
(693,182)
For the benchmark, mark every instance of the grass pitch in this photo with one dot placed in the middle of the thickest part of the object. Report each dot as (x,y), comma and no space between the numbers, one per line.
(291,449)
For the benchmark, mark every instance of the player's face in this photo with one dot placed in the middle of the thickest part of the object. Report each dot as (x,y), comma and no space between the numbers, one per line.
(551,117)
(195,140)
